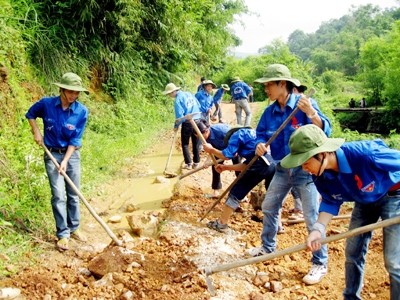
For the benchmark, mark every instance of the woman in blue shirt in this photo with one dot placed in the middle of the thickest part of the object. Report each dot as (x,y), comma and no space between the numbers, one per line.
(366,172)
(64,120)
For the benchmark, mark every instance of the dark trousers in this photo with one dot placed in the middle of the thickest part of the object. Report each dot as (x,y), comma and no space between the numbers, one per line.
(254,175)
(187,134)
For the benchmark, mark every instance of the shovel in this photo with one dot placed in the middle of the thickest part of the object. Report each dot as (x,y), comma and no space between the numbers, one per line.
(76,190)
(167,173)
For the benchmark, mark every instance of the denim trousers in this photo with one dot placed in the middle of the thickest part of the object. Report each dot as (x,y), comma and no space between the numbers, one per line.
(64,200)
(282,182)
(240,105)
(356,247)
(187,134)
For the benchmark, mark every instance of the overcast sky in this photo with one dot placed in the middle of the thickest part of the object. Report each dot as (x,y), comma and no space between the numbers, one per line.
(279,18)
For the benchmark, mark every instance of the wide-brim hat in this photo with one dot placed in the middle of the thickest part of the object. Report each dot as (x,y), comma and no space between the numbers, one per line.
(225,86)
(71,81)
(307,141)
(170,87)
(205,82)
(236,79)
(277,72)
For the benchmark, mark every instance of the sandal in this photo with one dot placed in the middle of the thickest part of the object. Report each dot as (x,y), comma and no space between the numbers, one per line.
(217,226)
(62,244)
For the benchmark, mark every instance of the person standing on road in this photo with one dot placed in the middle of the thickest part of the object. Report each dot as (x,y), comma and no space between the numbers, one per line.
(364,172)
(278,84)
(240,92)
(241,143)
(217,103)
(205,99)
(64,120)
(184,104)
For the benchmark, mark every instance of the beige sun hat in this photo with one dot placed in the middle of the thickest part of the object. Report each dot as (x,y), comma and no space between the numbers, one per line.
(205,82)
(170,87)
(307,141)
(276,72)
(236,79)
(71,81)
(225,86)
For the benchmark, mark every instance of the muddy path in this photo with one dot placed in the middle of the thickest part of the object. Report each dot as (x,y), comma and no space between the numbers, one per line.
(165,262)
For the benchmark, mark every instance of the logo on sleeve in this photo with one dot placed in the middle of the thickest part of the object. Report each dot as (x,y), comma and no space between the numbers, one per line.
(70,126)
(369,187)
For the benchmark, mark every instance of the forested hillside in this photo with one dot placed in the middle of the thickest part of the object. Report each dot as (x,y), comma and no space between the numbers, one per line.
(127,51)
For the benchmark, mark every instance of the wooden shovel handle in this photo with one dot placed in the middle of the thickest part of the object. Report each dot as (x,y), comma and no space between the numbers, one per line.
(74,187)
(300,247)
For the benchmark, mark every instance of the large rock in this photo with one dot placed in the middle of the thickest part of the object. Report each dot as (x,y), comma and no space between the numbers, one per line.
(143,225)
(114,259)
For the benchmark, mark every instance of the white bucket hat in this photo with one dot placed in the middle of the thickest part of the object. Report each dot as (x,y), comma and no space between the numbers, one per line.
(170,87)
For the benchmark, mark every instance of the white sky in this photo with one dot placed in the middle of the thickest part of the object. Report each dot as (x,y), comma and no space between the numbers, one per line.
(279,18)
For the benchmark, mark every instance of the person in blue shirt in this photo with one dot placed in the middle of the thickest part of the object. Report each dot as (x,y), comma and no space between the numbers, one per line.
(184,104)
(241,143)
(278,84)
(217,103)
(240,92)
(64,122)
(215,135)
(364,172)
(205,99)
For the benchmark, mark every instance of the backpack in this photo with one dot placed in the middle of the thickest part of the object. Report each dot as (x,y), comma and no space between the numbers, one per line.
(232,131)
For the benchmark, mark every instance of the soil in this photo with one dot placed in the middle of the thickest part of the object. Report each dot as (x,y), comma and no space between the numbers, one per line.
(176,253)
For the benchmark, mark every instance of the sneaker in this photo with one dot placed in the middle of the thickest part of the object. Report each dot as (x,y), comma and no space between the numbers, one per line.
(195,165)
(257,251)
(216,225)
(187,166)
(62,244)
(316,274)
(281,229)
(78,235)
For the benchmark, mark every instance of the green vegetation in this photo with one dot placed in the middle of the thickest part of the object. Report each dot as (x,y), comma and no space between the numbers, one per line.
(126,51)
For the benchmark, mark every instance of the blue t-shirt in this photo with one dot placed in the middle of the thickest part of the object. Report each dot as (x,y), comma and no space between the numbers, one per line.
(205,100)
(367,170)
(185,103)
(273,117)
(240,90)
(61,127)
(242,143)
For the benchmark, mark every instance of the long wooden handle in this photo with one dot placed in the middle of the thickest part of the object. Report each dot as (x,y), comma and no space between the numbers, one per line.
(170,150)
(73,186)
(271,139)
(300,247)
(199,168)
(201,137)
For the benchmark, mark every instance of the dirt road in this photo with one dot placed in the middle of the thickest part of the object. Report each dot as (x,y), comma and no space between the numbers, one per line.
(183,246)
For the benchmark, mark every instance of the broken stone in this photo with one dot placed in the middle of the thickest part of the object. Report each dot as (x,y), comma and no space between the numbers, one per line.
(146,224)
(115,219)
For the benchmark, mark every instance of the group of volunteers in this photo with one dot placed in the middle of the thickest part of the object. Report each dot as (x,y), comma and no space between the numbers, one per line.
(324,172)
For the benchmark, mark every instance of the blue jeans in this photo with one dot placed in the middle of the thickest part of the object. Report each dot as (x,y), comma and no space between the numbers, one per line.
(281,184)
(240,105)
(64,201)
(356,247)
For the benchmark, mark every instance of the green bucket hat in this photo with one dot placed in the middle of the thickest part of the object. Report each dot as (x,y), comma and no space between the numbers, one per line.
(307,141)
(205,82)
(236,79)
(71,81)
(276,72)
